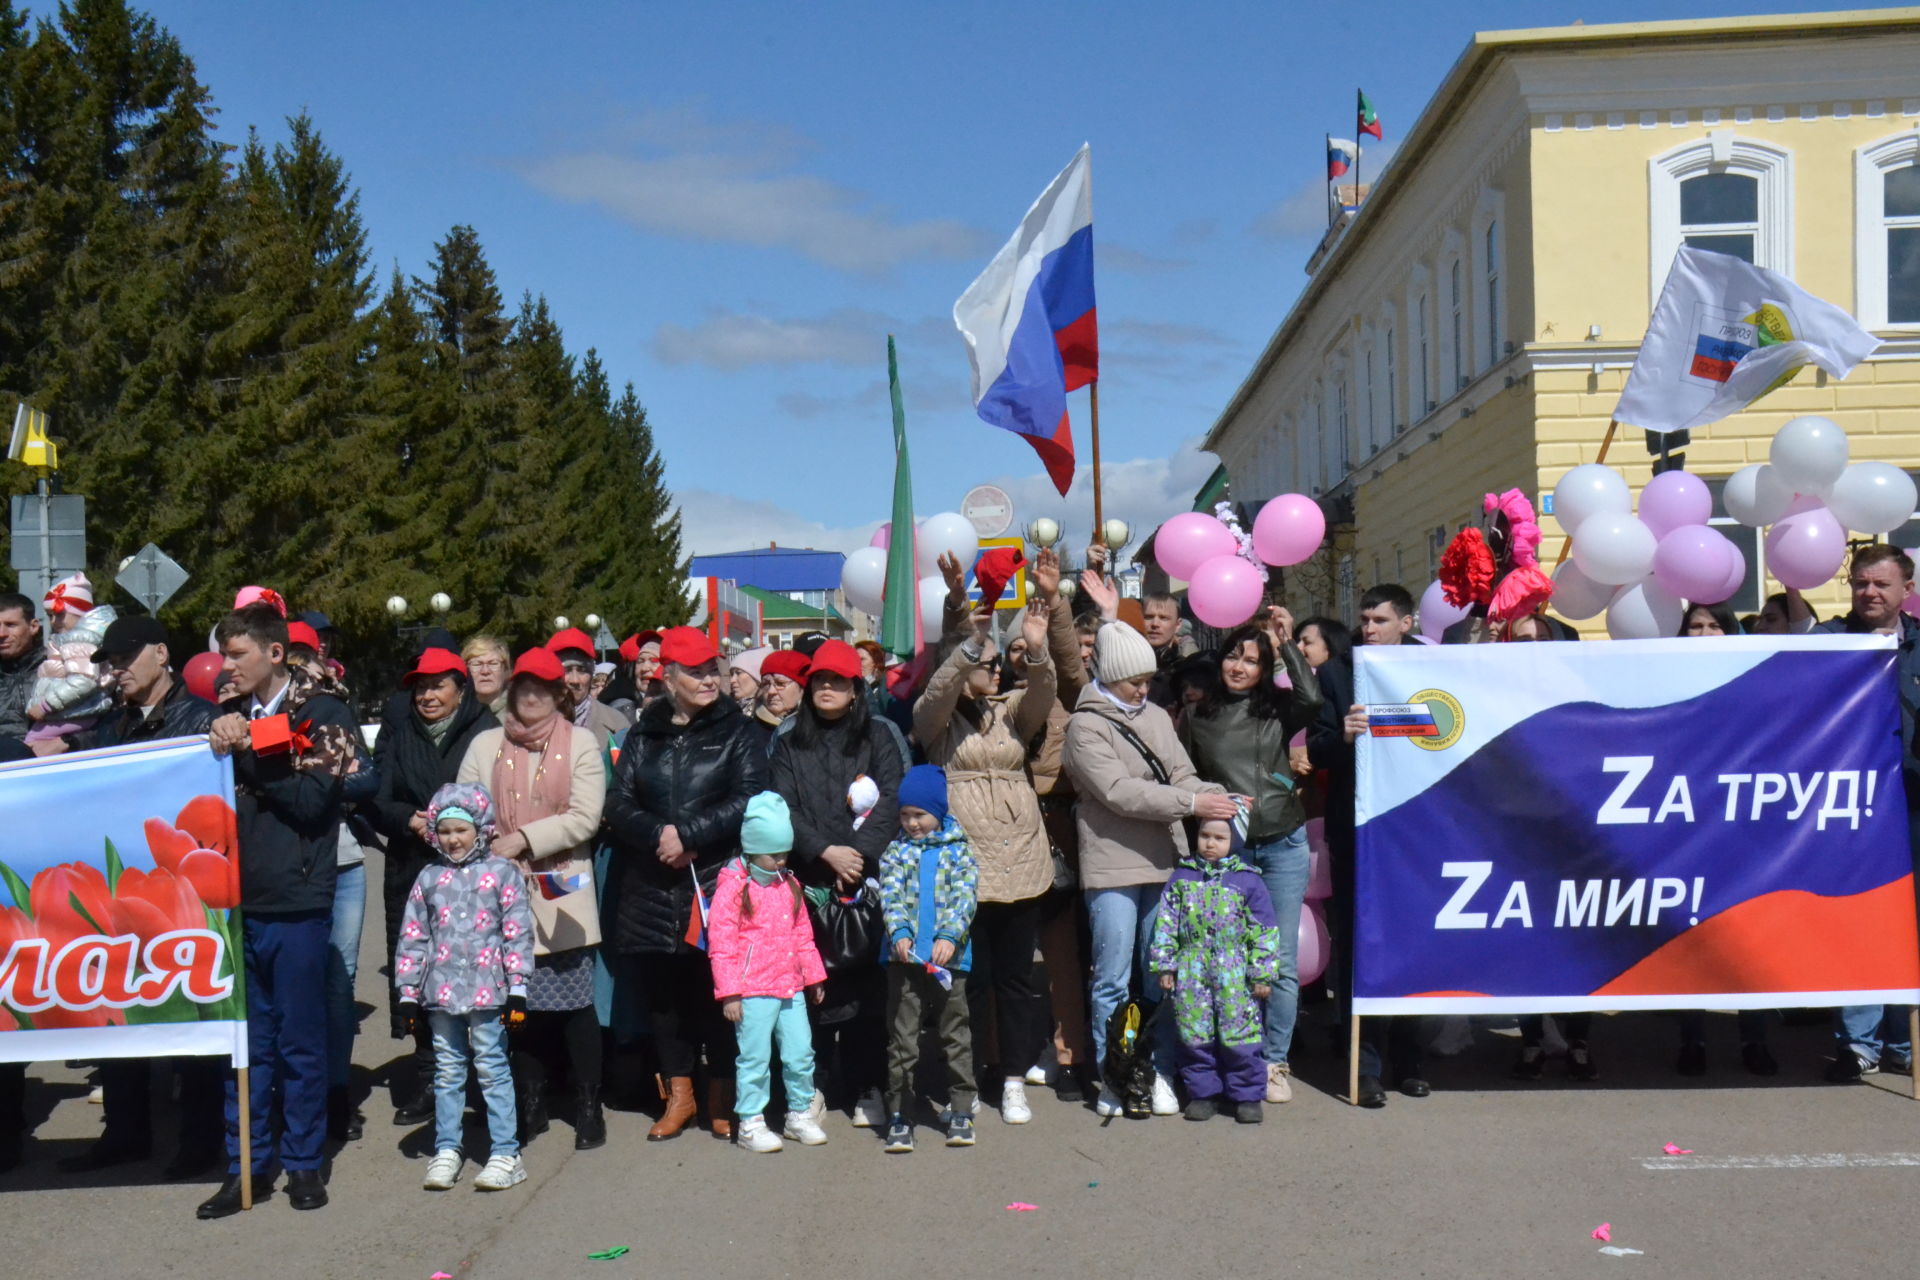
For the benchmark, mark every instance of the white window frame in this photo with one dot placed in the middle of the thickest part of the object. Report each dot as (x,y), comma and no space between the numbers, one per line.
(1419,346)
(1721,151)
(1392,373)
(1870,166)
(1487,277)
(1459,365)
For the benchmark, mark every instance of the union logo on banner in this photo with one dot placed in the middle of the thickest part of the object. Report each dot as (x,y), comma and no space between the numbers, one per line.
(1723,338)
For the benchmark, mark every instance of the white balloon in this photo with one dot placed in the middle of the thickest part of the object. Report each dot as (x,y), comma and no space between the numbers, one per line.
(1872,497)
(939,534)
(864,579)
(1644,611)
(1590,490)
(1756,496)
(1809,453)
(1576,596)
(1614,548)
(933,607)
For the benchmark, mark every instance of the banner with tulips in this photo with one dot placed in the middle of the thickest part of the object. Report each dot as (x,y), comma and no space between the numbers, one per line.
(119,891)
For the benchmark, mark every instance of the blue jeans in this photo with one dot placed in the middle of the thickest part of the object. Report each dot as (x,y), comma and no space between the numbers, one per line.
(481,1037)
(1122,921)
(1871,1030)
(343,1019)
(765,1021)
(286,959)
(1282,864)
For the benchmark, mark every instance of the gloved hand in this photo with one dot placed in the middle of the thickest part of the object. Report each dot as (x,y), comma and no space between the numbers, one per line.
(405,1018)
(515,1014)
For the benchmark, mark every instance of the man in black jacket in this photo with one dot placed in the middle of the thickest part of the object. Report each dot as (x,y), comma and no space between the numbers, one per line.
(291,745)
(153,704)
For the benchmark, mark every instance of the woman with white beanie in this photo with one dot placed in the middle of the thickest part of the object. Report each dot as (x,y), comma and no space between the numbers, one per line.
(1137,788)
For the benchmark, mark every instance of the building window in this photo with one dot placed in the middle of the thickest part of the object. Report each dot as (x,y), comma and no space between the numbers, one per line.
(1341,425)
(1373,417)
(1724,193)
(1493,293)
(1393,391)
(1458,318)
(1424,405)
(1320,440)
(1887,232)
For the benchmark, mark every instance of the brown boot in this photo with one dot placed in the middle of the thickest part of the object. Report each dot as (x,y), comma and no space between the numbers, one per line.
(720,1109)
(679,1113)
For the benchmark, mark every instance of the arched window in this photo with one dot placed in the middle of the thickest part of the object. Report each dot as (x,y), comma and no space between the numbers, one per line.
(1721,212)
(1724,193)
(1887,232)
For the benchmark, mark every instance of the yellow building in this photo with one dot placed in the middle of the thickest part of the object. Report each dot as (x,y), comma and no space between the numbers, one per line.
(1470,328)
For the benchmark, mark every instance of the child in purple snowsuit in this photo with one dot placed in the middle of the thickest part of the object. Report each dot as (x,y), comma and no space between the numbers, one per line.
(1216,948)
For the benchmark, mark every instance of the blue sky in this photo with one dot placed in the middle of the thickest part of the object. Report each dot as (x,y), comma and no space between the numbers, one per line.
(736,203)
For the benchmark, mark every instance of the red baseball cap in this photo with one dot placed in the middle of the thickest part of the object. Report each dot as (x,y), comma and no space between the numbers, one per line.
(432,662)
(785,662)
(630,647)
(541,664)
(301,633)
(686,647)
(837,656)
(570,639)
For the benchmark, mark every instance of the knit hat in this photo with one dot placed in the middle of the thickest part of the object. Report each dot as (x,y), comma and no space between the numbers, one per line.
(72,594)
(767,827)
(925,787)
(1121,653)
(749,660)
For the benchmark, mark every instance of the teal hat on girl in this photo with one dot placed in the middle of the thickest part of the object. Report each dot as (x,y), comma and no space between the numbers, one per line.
(767,827)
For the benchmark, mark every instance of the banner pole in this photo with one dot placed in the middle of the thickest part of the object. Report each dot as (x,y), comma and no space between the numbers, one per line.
(1353,1059)
(1913,1034)
(1093,412)
(246,1139)
(1606,442)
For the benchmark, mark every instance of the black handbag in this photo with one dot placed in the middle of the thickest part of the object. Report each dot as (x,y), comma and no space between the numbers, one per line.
(850,931)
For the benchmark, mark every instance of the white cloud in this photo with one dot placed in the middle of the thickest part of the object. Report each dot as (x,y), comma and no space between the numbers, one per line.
(677,173)
(1303,214)
(851,336)
(711,523)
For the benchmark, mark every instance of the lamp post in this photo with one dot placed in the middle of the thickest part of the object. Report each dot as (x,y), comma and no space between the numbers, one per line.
(397,608)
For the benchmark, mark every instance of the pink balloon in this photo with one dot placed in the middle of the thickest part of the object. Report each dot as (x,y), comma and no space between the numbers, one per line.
(1319,862)
(1436,615)
(1691,561)
(1225,590)
(1673,500)
(1289,529)
(1310,961)
(1736,575)
(882,537)
(1189,540)
(1805,548)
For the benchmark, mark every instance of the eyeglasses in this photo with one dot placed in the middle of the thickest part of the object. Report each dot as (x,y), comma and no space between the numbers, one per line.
(486,664)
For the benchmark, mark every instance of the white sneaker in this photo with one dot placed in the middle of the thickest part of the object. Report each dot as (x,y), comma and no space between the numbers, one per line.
(1037,1075)
(1108,1104)
(442,1171)
(817,1109)
(1165,1102)
(1279,1083)
(870,1112)
(804,1129)
(1013,1102)
(754,1135)
(501,1172)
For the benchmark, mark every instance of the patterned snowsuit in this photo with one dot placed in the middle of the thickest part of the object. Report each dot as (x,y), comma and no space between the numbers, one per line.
(1216,935)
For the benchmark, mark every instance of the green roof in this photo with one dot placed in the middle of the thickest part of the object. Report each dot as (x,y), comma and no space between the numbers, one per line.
(775,607)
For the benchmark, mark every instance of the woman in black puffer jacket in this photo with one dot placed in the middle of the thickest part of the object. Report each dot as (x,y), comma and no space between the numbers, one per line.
(835,739)
(686,772)
(424,735)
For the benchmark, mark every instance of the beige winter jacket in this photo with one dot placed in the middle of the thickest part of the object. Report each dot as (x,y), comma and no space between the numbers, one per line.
(988,790)
(1070,677)
(563,842)
(1130,825)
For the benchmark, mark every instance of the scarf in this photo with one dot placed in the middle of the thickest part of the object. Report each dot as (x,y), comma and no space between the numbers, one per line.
(1127,709)
(533,771)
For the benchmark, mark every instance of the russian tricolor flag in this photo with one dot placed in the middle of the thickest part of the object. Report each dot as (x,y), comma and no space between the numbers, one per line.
(1029,321)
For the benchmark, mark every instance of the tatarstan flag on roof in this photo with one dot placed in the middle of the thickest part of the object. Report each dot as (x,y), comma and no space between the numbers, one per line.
(1367,119)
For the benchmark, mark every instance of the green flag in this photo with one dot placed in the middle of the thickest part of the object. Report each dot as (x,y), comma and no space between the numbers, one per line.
(900,615)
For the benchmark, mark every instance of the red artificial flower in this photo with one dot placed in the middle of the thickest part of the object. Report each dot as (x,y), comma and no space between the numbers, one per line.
(1466,570)
(199,847)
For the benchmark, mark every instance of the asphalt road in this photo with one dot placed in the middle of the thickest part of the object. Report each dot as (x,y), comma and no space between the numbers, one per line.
(1485,1178)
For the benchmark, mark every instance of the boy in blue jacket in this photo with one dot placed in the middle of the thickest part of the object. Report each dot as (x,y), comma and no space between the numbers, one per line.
(927,892)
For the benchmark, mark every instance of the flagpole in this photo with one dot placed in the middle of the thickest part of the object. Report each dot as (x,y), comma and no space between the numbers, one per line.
(1333,193)
(1606,442)
(1356,161)
(1093,412)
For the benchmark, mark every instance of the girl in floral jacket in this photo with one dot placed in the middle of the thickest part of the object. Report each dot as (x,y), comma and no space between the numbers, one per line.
(466,947)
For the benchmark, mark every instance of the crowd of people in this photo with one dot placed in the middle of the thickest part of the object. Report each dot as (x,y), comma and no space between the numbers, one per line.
(768,885)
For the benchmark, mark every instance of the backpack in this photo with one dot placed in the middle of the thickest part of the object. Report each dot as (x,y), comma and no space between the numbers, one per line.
(1128,1069)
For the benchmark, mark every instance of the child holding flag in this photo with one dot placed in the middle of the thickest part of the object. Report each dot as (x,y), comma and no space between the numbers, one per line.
(760,942)
(927,891)
(466,947)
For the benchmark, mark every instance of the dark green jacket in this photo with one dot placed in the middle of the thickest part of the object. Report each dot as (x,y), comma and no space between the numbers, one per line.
(1248,755)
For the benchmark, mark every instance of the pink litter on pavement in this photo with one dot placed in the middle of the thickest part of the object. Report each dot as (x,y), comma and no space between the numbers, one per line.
(1675,1150)
(1603,1232)
(1021,1206)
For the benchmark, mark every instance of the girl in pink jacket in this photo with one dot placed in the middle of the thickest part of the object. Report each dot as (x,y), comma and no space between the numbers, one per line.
(760,943)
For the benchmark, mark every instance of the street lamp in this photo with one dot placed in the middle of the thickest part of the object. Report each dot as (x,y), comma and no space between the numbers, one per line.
(1115,534)
(561,622)
(592,620)
(441,602)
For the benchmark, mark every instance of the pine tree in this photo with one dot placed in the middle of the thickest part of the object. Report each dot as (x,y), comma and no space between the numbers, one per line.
(656,573)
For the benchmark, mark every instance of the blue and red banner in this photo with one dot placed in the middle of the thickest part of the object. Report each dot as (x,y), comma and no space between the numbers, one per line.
(119,897)
(1658,824)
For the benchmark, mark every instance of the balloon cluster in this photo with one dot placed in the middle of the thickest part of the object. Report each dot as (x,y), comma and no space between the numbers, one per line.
(1811,497)
(1223,568)
(864,576)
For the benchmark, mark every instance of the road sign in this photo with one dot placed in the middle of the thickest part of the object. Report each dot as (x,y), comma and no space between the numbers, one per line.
(1015,596)
(989,508)
(603,640)
(59,546)
(151,577)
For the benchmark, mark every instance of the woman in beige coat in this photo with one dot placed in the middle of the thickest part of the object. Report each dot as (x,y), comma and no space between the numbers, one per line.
(981,739)
(1136,787)
(549,782)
